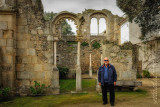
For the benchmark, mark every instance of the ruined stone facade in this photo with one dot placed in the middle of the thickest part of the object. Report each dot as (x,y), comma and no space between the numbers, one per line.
(31,48)
(26,46)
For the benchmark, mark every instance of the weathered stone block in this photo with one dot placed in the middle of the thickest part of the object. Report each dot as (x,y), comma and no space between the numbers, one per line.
(22,44)
(22,36)
(26,59)
(38,75)
(46,31)
(3,25)
(23,83)
(23,75)
(10,43)
(19,67)
(10,50)
(26,29)
(40,32)
(7,59)
(48,67)
(34,32)
(8,34)
(38,67)
(34,59)
(20,29)
(50,38)
(1,33)
(21,21)
(28,67)
(48,74)
(31,52)
(3,42)
(30,44)
(21,52)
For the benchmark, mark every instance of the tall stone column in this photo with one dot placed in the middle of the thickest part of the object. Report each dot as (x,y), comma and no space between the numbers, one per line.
(55,54)
(98,25)
(55,72)
(78,69)
(90,63)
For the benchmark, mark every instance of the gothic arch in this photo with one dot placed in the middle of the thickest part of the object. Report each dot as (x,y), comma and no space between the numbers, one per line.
(55,24)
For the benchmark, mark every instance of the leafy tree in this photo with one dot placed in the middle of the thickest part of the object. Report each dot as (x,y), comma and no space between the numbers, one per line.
(66,29)
(49,15)
(145,12)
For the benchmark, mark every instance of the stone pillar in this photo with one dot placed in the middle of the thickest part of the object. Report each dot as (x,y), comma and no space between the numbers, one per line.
(78,69)
(90,64)
(55,54)
(98,25)
(55,72)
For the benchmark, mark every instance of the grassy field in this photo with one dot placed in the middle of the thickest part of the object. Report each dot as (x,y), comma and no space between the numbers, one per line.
(68,85)
(58,100)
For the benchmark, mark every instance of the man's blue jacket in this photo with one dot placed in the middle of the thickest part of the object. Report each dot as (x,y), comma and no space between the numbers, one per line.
(112,75)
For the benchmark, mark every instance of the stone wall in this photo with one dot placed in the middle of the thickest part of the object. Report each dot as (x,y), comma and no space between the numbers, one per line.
(149,55)
(122,59)
(27,46)
(7,48)
(67,55)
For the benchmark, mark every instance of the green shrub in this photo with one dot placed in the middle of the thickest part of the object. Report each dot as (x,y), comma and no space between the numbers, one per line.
(63,71)
(96,45)
(139,75)
(4,93)
(84,44)
(38,89)
(146,74)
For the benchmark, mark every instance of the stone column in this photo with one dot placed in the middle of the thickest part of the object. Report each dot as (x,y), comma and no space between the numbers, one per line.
(90,64)
(55,54)
(55,72)
(98,25)
(78,69)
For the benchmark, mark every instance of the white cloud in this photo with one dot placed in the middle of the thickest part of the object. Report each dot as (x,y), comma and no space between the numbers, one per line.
(77,6)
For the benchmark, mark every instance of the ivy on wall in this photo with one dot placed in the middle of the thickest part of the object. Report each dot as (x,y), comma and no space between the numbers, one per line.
(96,45)
(72,42)
(84,44)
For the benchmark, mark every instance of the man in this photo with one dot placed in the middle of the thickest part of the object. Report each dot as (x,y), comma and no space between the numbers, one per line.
(107,78)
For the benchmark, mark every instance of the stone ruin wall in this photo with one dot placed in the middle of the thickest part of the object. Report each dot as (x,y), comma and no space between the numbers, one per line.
(149,57)
(67,55)
(26,46)
(67,52)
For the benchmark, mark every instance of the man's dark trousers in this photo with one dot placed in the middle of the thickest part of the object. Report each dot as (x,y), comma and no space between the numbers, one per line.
(105,88)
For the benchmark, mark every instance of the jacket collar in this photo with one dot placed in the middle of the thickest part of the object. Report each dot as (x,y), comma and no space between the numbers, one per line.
(104,65)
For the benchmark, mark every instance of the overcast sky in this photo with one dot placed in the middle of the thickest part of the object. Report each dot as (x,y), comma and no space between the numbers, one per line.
(77,6)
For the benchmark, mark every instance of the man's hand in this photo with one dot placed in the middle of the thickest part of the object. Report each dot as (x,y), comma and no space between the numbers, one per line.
(114,83)
(99,83)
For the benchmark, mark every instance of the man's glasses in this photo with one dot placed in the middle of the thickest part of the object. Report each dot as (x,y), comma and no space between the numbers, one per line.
(106,60)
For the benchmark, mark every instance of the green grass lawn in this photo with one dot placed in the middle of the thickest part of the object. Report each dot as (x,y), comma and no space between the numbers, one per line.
(57,100)
(68,85)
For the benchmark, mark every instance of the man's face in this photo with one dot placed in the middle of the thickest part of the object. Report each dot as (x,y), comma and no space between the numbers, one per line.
(106,61)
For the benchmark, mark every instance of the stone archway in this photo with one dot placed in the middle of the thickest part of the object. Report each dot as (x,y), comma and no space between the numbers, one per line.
(55,25)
